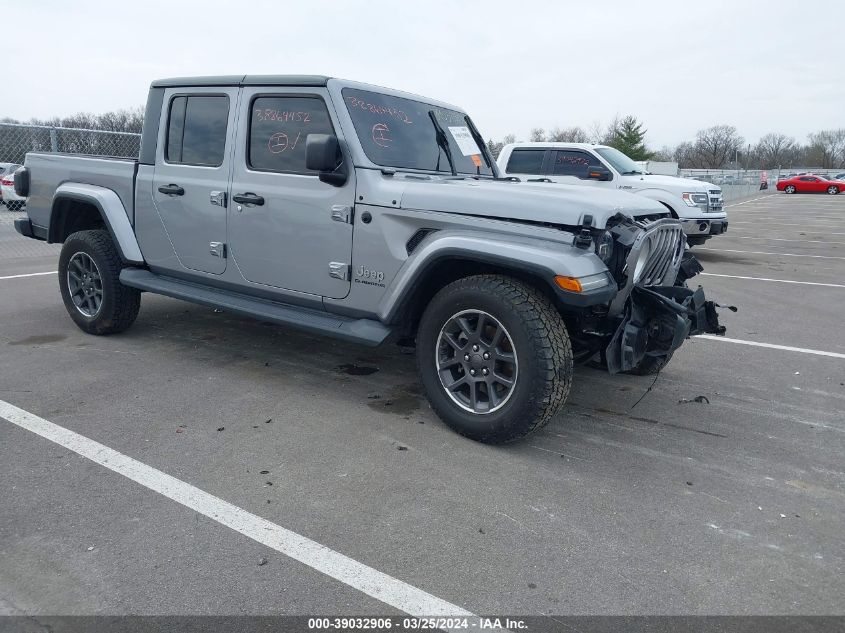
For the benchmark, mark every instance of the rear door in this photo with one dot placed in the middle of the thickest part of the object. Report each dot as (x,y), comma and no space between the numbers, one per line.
(527,163)
(297,234)
(191,178)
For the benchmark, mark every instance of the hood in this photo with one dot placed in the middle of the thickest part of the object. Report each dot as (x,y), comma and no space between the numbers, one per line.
(533,202)
(672,182)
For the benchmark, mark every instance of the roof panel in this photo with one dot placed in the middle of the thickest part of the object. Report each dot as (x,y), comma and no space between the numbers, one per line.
(242,80)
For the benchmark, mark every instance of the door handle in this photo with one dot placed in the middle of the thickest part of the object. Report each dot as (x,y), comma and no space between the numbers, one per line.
(248,198)
(172,190)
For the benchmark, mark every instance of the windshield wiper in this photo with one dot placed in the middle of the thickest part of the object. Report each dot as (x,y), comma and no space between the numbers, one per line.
(632,173)
(482,147)
(443,143)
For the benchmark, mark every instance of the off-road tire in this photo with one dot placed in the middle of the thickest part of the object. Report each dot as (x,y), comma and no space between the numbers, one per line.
(540,342)
(120,304)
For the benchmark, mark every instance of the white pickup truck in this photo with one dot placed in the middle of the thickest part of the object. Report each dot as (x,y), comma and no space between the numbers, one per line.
(698,205)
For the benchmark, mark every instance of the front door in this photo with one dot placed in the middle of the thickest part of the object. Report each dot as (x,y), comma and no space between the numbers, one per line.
(191,179)
(572,166)
(290,230)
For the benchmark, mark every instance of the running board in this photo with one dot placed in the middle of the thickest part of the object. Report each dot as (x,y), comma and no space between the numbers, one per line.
(364,331)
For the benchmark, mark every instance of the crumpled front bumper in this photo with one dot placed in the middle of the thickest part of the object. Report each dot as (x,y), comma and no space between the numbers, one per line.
(656,321)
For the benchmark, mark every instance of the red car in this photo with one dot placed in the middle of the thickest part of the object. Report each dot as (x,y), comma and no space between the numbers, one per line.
(808,183)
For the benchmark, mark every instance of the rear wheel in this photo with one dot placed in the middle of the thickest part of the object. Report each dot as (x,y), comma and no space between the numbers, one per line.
(89,271)
(494,358)
(789,189)
(833,190)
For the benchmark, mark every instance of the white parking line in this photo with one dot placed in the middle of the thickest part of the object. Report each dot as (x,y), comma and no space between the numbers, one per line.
(52,272)
(365,579)
(757,230)
(803,350)
(783,239)
(806,225)
(731,250)
(738,204)
(783,281)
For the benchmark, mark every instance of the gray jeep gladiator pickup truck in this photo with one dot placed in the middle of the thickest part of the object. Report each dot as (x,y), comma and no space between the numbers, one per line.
(361,212)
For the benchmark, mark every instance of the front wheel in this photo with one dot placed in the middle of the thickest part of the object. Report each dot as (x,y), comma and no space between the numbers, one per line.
(494,358)
(789,189)
(833,190)
(89,281)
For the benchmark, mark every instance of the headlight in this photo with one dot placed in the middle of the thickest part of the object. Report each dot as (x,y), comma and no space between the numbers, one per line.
(694,199)
(604,246)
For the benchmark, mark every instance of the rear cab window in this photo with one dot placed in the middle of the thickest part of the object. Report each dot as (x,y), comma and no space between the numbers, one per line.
(278,128)
(196,130)
(526,161)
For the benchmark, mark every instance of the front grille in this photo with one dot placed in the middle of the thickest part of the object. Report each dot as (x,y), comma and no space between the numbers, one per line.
(653,259)
(714,201)
(665,245)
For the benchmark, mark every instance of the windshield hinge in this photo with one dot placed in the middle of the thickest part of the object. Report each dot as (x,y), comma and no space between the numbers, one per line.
(584,239)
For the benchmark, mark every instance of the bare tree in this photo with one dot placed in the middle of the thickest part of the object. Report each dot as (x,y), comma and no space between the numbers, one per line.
(684,155)
(538,134)
(664,154)
(773,148)
(573,134)
(827,148)
(716,145)
(495,147)
(597,133)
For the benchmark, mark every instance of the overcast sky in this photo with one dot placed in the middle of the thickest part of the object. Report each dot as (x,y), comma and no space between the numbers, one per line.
(678,66)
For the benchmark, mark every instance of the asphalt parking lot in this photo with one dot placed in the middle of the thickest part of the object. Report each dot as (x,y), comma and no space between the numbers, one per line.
(734,504)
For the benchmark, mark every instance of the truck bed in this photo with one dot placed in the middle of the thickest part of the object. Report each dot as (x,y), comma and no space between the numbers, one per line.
(49,171)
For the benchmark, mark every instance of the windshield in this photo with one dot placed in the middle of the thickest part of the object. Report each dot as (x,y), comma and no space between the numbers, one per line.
(398,132)
(619,161)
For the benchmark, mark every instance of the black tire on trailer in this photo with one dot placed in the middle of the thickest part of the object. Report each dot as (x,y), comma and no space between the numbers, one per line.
(494,358)
(89,282)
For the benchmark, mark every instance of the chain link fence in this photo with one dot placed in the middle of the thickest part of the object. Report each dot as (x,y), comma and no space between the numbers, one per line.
(18,139)
(735,183)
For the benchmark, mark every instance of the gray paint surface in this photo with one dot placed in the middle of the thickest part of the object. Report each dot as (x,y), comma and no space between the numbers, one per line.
(283,249)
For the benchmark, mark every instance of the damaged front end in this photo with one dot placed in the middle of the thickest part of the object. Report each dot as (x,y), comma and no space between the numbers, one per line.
(654,308)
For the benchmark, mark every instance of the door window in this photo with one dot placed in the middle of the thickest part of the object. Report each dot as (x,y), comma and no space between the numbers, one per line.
(573,163)
(278,128)
(196,130)
(526,161)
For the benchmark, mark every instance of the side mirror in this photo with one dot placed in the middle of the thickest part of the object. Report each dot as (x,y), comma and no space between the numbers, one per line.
(599,173)
(323,155)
